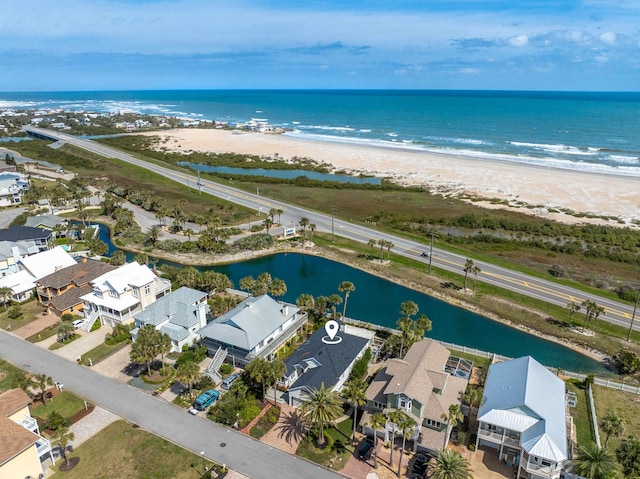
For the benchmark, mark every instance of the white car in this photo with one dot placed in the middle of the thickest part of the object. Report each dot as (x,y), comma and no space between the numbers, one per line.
(78,323)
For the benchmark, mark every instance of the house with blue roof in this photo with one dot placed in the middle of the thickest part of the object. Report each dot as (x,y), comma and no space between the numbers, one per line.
(179,315)
(523,417)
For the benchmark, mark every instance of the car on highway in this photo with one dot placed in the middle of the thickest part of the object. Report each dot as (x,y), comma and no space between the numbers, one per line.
(425,254)
(204,400)
(364,449)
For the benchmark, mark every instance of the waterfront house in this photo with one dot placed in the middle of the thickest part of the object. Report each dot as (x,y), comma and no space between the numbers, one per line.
(60,291)
(49,222)
(423,385)
(23,448)
(12,186)
(523,416)
(117,296)
(179,315)
(24,271)
(256,327)
(39,236)
(318,362)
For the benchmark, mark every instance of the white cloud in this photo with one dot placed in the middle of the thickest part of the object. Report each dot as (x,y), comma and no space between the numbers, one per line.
(519,41)
(609,37)
(469,71)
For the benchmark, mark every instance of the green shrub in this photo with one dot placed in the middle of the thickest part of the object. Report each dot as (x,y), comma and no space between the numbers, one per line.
(361,366)
(14,312)
(96,325)
(54,421)
(226,368)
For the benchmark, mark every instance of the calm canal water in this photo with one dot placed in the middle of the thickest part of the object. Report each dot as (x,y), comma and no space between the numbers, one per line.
(377,301)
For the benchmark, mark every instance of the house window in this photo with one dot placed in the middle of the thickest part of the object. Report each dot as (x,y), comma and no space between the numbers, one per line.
(404,403)
(379,405)
(135,292)
(147,288)
(433,423)
(113,293)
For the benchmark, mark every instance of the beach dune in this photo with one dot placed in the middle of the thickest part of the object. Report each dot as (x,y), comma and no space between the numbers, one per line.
(545,191)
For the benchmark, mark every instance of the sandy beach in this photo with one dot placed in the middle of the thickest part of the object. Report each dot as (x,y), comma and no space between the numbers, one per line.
(544,188)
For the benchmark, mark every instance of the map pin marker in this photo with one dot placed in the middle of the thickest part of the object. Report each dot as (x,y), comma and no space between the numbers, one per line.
(331,327)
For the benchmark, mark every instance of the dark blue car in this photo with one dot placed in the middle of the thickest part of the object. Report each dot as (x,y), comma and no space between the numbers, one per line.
(364,450)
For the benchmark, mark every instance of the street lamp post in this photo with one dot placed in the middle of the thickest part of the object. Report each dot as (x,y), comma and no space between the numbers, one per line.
(633,316)
(258,200)
(333,214)
(431,251)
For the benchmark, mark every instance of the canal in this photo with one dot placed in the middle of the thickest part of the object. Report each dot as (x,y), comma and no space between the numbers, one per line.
(377,301)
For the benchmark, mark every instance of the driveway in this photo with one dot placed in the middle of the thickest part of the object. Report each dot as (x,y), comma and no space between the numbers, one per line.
(287,432)
(226,446)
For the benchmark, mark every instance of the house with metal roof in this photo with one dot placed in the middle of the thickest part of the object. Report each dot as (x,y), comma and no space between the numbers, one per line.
(523,417)
(23,448)
(117,296)
(179,315)
(422,385)
(48,222)
(318,361)
(256,327)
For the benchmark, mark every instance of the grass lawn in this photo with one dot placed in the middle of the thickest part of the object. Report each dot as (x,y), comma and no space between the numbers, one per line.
(65,404)
(626,405)
(9,376)
(101,352)
(121,452)
(44,334)
(334,457)
(265,423)
(60,344)
(29,311)
(581,415)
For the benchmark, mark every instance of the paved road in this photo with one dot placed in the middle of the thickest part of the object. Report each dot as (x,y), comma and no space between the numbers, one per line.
(226,446)
(615,312)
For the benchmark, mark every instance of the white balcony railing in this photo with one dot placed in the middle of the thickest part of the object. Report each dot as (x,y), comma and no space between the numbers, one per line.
(29,423)
(43,446)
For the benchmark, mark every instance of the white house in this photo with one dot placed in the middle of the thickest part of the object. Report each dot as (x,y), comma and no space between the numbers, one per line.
(122,293)
(256,327)
(179,315)
(12,186)
(523,417)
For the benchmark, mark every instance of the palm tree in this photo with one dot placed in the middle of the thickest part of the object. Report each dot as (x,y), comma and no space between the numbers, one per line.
(594,462)
(277,288)
(304,222)
(153,234)
(597,311)
(468,267)
(407,309)
(5,294)
(371,244)
(257,370)
(312,228)
(65,331)
(452,418)
(275,371)
(42,381)
(395,418)
(164,346)
(188,373)
(406,426)
(305,302)
(268,223)
(573,308)
(354,392)
(389,245)
(475,270)
(26,382)
(62,437)
(613,425)
(188,232)
(346,287)
(334,300)
(319,407)
(450,465)
(378,420)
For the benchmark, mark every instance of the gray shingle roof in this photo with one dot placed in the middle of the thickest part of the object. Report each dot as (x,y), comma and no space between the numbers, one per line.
(17,233)
(324,363)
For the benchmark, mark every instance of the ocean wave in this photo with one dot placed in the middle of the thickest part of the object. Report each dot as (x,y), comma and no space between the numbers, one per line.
(546,162)
(462,141)
(623,160)
(328,128)
(560,148)
(364,130)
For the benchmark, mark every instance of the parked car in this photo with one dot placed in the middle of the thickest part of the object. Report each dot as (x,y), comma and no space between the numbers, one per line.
(229,380)
(364,449)
(420,465)
(77,323)
(204,400)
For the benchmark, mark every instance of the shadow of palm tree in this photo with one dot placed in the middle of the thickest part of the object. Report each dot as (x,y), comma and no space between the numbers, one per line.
(291,427)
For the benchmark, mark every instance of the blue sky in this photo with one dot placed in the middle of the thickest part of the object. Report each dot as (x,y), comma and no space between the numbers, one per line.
(420,44)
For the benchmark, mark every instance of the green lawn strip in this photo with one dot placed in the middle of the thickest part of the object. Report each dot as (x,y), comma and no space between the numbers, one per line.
(335,452)
(581,414)
(625,404)
(65,404)
(265,423)
(10,375)
(45,333)
(30,309)
(61,344)
(100,352)
(121,451)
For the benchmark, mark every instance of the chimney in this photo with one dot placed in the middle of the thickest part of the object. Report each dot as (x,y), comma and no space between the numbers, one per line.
(285,310)
(84,259)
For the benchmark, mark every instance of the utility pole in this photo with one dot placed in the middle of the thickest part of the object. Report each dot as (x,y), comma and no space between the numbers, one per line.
(199,184)
(333,214)
(633,316)
(431,252)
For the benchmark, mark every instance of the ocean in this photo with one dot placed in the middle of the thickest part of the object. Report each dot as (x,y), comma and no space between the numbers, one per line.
(596,132)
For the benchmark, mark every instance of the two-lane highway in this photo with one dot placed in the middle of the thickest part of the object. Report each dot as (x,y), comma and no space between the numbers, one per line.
(554,293)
